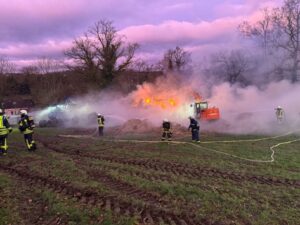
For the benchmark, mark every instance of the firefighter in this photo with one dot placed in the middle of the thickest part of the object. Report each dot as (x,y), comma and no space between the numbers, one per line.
(279,114)
(4,130)
(166,128)
(26,126)
(100,120)
(194,128)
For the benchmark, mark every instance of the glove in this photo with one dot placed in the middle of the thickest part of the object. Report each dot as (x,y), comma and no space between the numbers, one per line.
(10,130)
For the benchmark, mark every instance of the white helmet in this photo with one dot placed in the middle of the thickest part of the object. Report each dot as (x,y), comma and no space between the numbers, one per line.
(166,120)
(99,114)
(279,107)
(23,112)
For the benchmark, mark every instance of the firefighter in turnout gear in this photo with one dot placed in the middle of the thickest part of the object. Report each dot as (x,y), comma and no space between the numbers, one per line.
(26,126)
(279,114)
(4,130)
(166,128)
(100,120)
(194,127)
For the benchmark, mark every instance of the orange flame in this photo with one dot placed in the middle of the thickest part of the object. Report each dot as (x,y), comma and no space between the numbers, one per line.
(148,100)
(161,102)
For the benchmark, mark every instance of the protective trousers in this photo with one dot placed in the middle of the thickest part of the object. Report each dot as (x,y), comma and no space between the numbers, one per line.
(3,144)
(30,143)
(166,134)
(100,129)
(195,134)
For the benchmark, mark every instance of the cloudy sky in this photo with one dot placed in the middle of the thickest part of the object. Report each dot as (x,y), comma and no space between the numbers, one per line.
(34,28)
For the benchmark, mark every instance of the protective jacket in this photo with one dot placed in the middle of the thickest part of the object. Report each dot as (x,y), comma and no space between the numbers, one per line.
(166,126)
(26,124)
(279,112)
(4,126)
(167,133)
(194,124)
(101,121)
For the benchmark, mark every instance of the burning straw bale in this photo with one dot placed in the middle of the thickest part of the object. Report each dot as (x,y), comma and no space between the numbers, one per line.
(134,126)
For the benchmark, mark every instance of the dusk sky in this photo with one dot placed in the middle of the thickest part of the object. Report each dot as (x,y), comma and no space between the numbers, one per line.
(34,28)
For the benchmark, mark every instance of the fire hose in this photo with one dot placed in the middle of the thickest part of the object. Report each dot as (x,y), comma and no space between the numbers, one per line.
(272,148)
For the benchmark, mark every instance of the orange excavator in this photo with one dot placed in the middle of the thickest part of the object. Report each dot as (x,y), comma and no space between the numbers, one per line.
(202,111)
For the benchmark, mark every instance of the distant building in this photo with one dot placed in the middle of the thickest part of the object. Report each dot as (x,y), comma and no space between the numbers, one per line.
(13,107)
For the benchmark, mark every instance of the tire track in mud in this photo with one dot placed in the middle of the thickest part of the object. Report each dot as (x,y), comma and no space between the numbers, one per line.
(123,187)
(146,196)
(147,214)
(175,168)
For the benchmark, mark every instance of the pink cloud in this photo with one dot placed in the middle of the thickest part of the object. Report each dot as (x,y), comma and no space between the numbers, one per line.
(195,35)
(173,31)
(37,50)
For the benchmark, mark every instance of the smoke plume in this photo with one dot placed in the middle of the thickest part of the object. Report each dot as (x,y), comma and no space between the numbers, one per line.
(247,110)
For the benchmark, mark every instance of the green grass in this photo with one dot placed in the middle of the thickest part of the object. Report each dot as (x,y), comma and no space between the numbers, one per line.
(217,199)
(76,214)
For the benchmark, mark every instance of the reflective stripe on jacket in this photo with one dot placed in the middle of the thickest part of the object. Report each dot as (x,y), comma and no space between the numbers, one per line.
(4,126)
(101,122)
(26,125)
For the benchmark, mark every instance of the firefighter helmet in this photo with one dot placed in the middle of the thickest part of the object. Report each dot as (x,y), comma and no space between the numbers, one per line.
(23,112)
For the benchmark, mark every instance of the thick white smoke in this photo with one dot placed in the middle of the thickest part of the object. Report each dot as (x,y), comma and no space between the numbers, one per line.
(243,110)
(250,110)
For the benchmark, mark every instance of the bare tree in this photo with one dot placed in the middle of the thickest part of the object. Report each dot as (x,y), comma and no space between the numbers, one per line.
(102,49)
(29,70)
(287,24)
(280,28)
(143,66)
(84,55)
(46,65)
(231,66)
(176,59)
(262,30)
(6,67)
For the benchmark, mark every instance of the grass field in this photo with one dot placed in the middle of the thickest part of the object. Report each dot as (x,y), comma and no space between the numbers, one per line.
(98,181)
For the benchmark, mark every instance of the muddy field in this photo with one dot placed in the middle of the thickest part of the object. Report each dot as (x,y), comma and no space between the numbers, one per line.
(82,179)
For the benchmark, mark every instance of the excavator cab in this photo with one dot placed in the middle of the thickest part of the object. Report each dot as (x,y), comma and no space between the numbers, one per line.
(203,112)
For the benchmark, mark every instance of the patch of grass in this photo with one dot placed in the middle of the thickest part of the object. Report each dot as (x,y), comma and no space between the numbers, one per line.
(8,211)
(217,198)
(80,215)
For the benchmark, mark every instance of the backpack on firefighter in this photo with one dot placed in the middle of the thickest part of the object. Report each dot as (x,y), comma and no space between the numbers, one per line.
(279,114)
(26,126)
(166,130)
(100,120)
